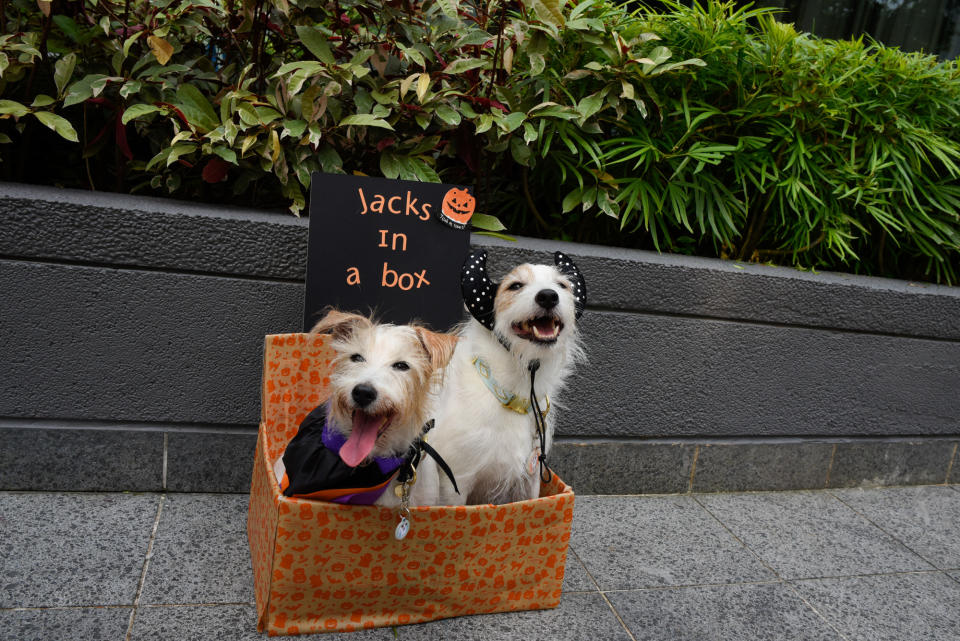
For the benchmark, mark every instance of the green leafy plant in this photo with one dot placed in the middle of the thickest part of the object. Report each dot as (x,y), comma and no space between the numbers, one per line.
(788,148)
(260,94)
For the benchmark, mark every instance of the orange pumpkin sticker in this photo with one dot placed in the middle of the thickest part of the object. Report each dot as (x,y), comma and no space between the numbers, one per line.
(458,205)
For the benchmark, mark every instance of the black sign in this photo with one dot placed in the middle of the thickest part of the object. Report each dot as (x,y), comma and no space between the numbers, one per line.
(393,247)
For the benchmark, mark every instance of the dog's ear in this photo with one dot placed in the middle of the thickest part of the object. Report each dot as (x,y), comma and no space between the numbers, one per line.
(340,325)
(568,268)
(438,346)
(477,288)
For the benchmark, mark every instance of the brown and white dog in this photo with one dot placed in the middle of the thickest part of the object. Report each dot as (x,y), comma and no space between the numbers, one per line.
(383,389)
(486,426)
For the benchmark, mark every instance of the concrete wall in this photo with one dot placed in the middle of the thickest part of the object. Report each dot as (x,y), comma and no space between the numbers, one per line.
(131,332)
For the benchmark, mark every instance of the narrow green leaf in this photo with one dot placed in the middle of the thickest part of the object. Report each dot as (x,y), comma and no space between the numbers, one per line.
(549,11)
(293,128)
(59,124)
(136,111)
(365,120)
(590,105)
(511,121)
(227,154)
(130,88)
(196,108)
(448,115)
(571,200)
(63,71)
(449,8)
(13,108)
(316,42)
(389,165)
(486,222)
(465,64)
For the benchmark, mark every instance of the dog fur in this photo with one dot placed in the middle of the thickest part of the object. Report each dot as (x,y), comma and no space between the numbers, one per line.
(402,364)
(489,447)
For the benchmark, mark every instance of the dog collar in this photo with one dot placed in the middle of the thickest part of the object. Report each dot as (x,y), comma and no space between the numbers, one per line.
(518,404)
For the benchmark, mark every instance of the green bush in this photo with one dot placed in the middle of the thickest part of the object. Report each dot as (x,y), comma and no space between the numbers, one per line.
(785,147)
(707,129)
(190,93)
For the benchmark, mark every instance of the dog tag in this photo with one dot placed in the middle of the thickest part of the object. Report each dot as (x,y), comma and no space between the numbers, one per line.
(403,527)
(532,461)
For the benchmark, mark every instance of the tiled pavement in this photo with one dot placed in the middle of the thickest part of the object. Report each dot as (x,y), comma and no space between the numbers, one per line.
(860,565)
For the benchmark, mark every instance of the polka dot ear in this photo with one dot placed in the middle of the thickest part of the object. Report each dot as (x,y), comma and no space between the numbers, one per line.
(477,289)
(567,267)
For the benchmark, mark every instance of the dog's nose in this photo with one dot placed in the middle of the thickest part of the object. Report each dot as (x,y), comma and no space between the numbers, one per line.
(364,394)
(547,298)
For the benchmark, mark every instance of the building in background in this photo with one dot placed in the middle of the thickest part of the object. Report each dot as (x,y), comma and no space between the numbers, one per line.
(931,26)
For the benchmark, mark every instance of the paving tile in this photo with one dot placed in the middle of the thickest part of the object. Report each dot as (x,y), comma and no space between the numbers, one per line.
(926,518)
(76,624)
(72,549)
(634,542)
(737,467)
(220,623)
(80,460)
(210,462)
(880,463)
(623,468)
(575,577)
(810,534)
(579,616)
(771,612)
(200,554)
(892,607)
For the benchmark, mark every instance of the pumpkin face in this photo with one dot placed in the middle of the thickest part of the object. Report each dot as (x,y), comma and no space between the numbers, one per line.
(458,205)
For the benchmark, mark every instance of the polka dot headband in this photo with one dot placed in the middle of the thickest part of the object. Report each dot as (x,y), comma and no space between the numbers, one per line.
(567,267)
(479,291)
(477,288)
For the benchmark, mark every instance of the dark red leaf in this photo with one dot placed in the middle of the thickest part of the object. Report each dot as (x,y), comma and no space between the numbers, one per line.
(216,170)
(122,137)
(386,142)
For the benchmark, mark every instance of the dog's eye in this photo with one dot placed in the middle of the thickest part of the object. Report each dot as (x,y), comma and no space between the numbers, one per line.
(515,286)
(356,358)
(401,366)
(561,284)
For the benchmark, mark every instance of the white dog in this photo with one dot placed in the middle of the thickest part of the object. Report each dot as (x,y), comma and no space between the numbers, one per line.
(523,334)
(382,391)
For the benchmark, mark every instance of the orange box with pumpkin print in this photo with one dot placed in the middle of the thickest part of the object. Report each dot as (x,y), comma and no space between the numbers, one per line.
(326,567)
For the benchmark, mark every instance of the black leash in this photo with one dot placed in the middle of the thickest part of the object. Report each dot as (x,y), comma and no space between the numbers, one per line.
(415,453)
(545,472)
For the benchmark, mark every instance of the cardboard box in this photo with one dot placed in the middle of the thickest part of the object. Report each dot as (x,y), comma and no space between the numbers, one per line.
(325,567)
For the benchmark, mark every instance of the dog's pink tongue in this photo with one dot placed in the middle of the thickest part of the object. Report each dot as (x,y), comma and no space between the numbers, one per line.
(362,438)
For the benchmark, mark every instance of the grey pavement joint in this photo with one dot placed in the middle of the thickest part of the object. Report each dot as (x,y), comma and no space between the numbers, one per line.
(810,534)
(768,611)
(201,554)
(72,549)
(631,542)
(926,518)
(894,607)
